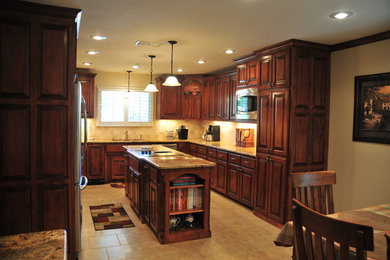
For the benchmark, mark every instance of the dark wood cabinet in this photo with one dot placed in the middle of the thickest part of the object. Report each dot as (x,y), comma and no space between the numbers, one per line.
(192,98)
(233,98)
(240,179)
(87,81)
(275,69)
(168,101)
(293,121)
(223,96)
(95,162)
(221,179)
(38,57)
(271,183)
(116,162)
(247,71)
(208,101)
(273,122)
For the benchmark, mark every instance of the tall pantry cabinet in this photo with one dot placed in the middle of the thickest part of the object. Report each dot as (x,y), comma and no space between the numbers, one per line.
(293,121)
(37,67)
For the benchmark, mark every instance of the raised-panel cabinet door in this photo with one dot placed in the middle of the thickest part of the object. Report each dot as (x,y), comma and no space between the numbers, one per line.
(187,107)
(153,206)
(117,167)
(182,147)
(263,121)
(170,102)
(221,176)
(281,69)
(15,51)
(87,81)
(218,99)
(196,106)
(233,181)
(253,73)
(225,90)
(277,183)
(233,98)
(95,160)
(242,74)
(247,184)
(214,173)
(136,200)
(278,144)
(265,78)
(260,203)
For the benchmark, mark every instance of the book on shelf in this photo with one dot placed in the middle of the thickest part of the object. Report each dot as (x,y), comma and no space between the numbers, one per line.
(184,180)
(186,199)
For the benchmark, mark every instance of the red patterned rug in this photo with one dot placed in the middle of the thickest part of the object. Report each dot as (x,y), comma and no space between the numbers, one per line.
(117,185)
(110,216)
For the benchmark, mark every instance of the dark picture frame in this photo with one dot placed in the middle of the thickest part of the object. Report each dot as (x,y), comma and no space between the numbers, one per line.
(372,108)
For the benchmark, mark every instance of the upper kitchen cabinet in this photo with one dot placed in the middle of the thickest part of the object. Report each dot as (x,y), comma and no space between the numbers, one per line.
(274,68)
(87,81)
(247,71)
(208,107)
(38,62)
(192,98)
(168,100)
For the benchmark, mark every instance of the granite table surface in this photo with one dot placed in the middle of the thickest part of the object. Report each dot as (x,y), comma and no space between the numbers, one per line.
(36,245)
(172,160)
(229,147)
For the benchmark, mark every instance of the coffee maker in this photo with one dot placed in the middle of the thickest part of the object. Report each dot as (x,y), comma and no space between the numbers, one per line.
(182,132)
(214,130)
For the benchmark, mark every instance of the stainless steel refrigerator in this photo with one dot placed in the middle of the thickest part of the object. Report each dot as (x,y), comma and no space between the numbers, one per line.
(80,181)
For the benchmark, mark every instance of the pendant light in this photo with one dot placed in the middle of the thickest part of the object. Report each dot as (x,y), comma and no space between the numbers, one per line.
(127,94)
(151,87)
(172,81)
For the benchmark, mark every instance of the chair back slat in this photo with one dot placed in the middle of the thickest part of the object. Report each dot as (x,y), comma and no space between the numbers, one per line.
(314,189)
(330,235)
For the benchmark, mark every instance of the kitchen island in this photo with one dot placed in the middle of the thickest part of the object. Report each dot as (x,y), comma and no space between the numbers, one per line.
(169,191)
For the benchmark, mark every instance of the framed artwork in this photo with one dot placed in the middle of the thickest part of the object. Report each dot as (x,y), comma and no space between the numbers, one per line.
(372,108)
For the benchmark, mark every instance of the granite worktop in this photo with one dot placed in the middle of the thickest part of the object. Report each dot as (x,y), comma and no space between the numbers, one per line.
(165,158)
(36,245)
(229,147)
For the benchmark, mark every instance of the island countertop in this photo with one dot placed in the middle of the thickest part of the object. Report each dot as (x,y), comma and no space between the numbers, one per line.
(36,245)
(162,157)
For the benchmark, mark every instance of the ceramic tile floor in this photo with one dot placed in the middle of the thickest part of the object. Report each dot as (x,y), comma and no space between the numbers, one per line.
(235,234)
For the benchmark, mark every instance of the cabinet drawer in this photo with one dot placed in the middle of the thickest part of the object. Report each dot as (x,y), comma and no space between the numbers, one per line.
(211,152)
(234,158)
(248,162)
(222,155)
(193,148)
(202,150)
(115,148)
(202,156)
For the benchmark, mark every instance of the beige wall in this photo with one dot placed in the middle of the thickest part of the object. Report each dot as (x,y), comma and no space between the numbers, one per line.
(363,169)
(159,130)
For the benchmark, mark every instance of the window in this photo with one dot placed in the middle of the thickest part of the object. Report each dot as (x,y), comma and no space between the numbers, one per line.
(117,108)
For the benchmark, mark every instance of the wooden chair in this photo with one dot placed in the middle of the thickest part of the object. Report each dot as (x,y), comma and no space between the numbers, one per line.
(387,235)
(314,189)
(326,231)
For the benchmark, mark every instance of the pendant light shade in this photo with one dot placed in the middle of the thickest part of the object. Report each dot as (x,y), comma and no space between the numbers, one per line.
(172,81)
(151,87)
(127,94)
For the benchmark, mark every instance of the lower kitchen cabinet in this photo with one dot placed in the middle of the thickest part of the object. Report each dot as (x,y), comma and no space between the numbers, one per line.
(182,147)
(95,162)
(271,183)
(116,162)
(221,176)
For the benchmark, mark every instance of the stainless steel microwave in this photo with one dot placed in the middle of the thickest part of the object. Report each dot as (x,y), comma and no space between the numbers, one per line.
(246,103)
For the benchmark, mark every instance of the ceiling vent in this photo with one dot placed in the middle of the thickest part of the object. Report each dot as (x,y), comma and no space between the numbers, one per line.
(148,44)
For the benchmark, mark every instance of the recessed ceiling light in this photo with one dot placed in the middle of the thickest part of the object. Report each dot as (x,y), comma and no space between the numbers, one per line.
(98,37)
(341,15)
(92,52)
(136,66)
(201,61)
(180,70)
(229,51)
(87,63)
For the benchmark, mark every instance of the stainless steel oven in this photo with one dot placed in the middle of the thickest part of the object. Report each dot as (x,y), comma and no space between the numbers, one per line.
(246,103)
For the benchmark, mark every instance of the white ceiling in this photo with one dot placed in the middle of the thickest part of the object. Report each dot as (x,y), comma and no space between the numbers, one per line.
(205,28)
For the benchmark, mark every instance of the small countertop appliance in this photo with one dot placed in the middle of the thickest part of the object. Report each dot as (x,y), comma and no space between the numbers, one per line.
(214,130)
(182,133)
